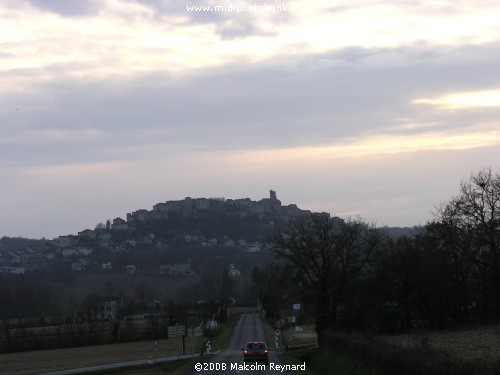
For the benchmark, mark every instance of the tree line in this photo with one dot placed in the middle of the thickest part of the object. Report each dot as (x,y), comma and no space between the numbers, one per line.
(358,278)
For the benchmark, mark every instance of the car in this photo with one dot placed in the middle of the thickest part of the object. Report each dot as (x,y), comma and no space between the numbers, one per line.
(256,352)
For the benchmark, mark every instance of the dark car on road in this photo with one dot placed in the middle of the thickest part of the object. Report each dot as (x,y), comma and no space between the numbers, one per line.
(256,352)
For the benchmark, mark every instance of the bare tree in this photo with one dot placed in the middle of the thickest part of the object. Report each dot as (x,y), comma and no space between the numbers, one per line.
(475,215)
(331,253)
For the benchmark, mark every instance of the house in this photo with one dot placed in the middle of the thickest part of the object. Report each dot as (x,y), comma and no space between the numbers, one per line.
(202,204)
(84,251)
(104,236)
(35,264)
(79,265)
(179,269)
(66,241)
(87,234)
(9,258)
(139,215)
(233,272)
(130,269)
(130,242)
(119,249)
(76,266)
(119,224)
(253,247)
(69,252)
(160,207)
(19,270)
(104,309)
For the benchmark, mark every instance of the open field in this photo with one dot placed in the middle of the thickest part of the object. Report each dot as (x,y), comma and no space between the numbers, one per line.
(471,344)
(307,336)
(58,359)
(181,367)
(290,336)
(480,343)
(18,338)
(470,350)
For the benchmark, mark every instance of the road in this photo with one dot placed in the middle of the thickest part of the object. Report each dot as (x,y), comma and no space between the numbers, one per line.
(249,328)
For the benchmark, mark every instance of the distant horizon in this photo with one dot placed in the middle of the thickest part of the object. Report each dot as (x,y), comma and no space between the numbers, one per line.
(377,109)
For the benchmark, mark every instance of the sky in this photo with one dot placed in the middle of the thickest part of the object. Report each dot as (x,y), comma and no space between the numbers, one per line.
(370,109)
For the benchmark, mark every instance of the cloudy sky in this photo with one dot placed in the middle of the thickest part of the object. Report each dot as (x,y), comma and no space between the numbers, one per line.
(370,108)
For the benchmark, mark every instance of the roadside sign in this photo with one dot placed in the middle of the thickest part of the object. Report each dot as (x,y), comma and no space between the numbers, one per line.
(296,306)
(197,332)
(176,331)
(277,332)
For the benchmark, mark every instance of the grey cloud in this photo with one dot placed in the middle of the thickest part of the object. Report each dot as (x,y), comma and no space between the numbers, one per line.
(232,30)
(67,8)
(5,55)
(447,7)
(229,25)
(91,7)
(250,106)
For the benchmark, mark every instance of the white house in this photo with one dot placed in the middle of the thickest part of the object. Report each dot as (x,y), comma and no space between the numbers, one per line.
(233,272)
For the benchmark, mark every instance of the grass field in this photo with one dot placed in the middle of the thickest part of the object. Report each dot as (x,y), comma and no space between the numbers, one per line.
(481,343)
(470,350)
(181,367)
(307,336)
(58,359)
(161,368)
(290,336)
(184,367)
(468,344)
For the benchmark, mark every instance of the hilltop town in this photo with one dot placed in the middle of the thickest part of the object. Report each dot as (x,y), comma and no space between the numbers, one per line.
(193,207)
(189,224)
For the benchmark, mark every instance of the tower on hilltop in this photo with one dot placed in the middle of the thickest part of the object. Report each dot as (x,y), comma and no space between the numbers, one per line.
(272,195)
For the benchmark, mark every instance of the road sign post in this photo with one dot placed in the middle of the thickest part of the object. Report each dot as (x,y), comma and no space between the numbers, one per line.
(155,350)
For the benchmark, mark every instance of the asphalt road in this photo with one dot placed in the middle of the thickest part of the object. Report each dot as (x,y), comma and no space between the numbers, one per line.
(230,359)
